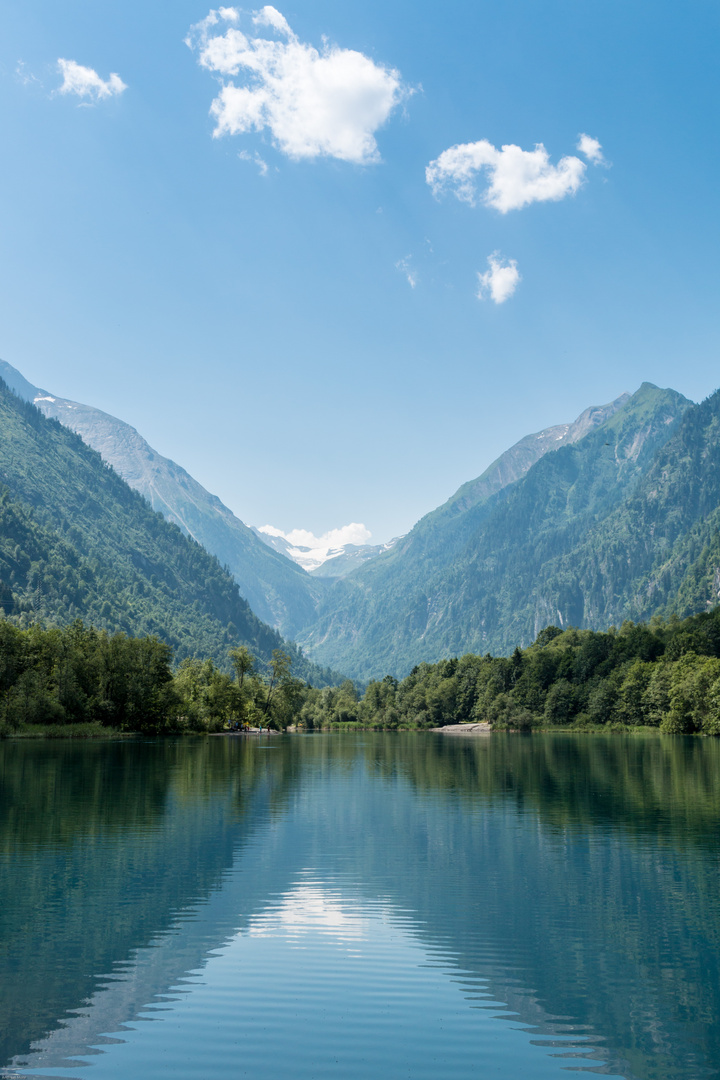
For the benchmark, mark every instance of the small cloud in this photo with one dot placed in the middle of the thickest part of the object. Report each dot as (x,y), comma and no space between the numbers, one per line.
(270,16)
(245,155)
(516,177)
(315,103)
(405,267)
(24,76)
(86,83)
(591,149)
(354,533)
(500,281)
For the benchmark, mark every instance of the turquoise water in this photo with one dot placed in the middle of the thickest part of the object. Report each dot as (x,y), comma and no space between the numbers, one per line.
(328,906)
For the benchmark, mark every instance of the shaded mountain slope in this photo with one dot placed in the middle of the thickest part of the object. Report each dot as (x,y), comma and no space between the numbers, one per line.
(77,542)
(278,591)
(489,576)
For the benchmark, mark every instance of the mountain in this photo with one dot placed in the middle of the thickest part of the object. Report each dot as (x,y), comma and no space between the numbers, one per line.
(515,462)
(278,590)
(343,560)
(659,551)
(77,542)
(507,556)
(509,467)
(447,529)
(333,562)
(587,524)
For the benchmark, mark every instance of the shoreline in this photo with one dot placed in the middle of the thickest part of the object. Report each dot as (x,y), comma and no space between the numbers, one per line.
(481,728)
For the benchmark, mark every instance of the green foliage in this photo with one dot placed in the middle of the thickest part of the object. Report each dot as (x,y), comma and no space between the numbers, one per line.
(76,675)
(665,675)
(81,678)
(210,700)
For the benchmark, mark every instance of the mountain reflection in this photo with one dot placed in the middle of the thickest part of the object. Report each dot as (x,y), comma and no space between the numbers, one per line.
(572,878)
(101,846)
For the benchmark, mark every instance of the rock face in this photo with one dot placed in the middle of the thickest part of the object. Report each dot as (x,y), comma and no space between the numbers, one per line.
(278,590)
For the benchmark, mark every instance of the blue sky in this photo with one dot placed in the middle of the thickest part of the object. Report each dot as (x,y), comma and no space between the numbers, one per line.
(288,308)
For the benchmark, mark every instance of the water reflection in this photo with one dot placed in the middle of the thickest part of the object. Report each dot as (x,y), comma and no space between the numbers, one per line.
(363,898)
(100,847)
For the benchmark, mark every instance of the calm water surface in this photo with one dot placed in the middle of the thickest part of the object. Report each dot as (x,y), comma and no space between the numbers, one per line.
(334,906)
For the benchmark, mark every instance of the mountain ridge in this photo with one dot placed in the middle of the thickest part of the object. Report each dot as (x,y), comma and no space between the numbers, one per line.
(492,587)
(76,542)
(277,589)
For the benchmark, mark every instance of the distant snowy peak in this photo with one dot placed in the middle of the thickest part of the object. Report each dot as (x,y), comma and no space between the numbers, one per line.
(342,561)
(333,555)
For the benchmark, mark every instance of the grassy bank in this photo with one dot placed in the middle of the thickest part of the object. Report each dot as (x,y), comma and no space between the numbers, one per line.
(66,731)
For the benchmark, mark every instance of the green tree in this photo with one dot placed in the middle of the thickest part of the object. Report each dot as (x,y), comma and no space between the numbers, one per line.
(243,662)
(279,667)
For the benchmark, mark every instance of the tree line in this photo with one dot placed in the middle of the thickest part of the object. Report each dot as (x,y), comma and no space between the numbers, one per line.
(663,674)
(79,675)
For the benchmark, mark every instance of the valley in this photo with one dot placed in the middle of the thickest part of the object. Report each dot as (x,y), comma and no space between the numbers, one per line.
(612,517)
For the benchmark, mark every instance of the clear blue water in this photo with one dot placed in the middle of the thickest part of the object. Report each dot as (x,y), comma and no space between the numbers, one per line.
(406,906)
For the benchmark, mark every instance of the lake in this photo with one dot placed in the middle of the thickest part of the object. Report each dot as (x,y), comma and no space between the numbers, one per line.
(405,905)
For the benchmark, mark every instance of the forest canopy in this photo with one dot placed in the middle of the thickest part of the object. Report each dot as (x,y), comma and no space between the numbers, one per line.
(663,674)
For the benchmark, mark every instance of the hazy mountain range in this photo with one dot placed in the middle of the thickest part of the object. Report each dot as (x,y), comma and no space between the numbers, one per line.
(610,517)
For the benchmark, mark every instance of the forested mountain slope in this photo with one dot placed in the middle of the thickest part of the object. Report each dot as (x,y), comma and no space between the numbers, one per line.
(490,575)
(277,589)
(441,534)
(77,542)
(661,547)
(514,463)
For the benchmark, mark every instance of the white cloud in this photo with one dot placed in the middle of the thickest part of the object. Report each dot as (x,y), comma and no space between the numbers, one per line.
(516,177)
(327,103)
(591,149)
(245,155)
(405,267)
(270,16)
(85,82)
(354,533)
(500,281)
(309,908)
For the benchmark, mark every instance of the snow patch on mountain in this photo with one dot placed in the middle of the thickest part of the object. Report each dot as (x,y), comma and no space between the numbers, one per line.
(311,551)
(334,554)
